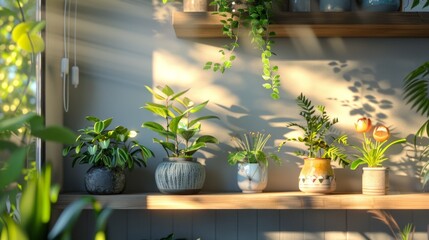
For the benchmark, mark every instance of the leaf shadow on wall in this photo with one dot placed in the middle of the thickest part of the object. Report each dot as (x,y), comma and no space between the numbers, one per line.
(370,97)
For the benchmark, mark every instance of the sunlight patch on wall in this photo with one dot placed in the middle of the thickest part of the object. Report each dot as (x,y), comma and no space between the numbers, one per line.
(178,72)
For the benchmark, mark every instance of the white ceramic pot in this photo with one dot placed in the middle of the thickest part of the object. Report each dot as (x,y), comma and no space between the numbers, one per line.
(375,181)
(195,5)
(252,177)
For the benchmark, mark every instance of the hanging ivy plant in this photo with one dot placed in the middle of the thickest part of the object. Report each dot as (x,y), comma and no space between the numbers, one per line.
(254,15)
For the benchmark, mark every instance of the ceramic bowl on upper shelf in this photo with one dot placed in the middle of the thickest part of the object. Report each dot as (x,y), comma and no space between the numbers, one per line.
(380,5)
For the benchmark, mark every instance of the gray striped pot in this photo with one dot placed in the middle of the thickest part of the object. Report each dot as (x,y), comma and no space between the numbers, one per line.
(180,176)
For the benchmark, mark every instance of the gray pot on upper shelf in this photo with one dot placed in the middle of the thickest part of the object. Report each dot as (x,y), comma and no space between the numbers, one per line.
(335,5)
(380,5)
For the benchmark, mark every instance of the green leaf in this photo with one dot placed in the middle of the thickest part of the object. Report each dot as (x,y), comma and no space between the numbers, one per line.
(56,133)
(31,43)
(69,217)
(193,148)
(156,95)
(415,3)
(158,128)
(99,127)
(207,139)
(235,157)
(14,166)
(101,222)
(188,134)
(167,90)
(179,94)
(355,164)
(193,122)
(197,108)
(157,109)
(174,124)
(13,124)
(266,85)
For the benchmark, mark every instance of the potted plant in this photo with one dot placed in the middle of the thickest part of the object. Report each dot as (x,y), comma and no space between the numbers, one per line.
(179,173)
(109,152)
(255,16)
(317,175)
(252,161)
(372,153)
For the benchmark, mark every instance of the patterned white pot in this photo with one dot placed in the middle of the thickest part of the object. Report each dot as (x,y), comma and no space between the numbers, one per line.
(375,181)
(252,177)
(317,176)
(180,176)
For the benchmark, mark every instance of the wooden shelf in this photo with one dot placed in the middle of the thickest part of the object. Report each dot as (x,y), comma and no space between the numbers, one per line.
(271,200)
(340,24)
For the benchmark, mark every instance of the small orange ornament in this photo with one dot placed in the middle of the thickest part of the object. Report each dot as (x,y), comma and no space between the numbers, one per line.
(381,133)
(363,125)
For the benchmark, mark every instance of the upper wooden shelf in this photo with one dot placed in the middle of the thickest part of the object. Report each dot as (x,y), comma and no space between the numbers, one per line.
(339,24)
(271,200)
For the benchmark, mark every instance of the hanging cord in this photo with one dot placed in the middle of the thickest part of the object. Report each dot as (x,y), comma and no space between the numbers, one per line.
(75,68)
(65,62)
(74,34)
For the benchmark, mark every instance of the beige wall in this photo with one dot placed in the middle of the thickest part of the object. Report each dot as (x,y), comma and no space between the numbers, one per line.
(124,45)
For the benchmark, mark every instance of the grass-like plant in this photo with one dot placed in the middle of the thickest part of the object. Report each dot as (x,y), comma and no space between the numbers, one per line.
(250,148)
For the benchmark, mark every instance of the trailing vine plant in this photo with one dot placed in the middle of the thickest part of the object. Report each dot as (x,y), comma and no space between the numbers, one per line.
(255,15)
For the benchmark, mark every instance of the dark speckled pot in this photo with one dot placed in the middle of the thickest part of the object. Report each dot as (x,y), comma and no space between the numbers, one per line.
(102,180)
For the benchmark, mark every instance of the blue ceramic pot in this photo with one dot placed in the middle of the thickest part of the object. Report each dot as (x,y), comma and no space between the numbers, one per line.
(180,176)
(102,180)
(335,5)
(381,5)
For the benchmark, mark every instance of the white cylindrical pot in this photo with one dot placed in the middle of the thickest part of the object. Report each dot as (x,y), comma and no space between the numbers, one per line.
(195,5)
(375,181)
(252,177)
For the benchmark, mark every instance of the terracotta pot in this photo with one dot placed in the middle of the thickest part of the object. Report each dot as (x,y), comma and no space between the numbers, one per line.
(375,181)
(180,176)
(317,176)
(252,177)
